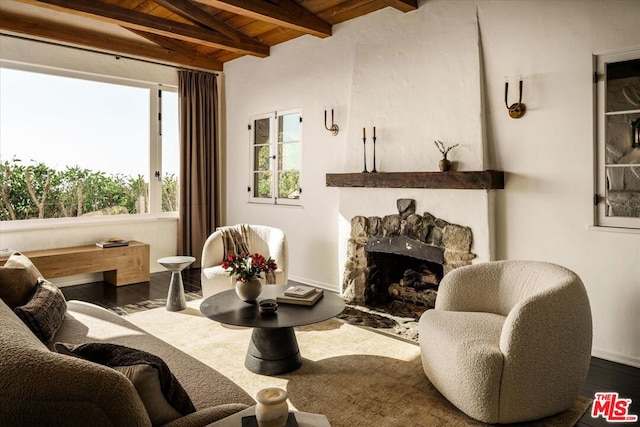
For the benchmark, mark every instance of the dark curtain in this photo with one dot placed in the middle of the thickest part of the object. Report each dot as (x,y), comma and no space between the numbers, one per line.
(199,182)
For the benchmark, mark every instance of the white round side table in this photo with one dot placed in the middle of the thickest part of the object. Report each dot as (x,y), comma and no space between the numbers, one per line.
(175,264)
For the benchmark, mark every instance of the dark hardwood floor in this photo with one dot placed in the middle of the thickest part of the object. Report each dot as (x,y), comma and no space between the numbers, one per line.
(603,375)
(109,296)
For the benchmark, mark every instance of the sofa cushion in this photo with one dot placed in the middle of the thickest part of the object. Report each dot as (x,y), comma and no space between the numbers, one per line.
(45,311)
(18,277)
(206,387)
(161,393)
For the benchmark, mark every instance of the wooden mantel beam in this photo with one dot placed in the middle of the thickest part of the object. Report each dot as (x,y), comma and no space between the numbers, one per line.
(150,24)
(285,13)
(15,23)
(468,180)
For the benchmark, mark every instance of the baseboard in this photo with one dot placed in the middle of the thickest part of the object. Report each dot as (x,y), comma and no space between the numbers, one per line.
(615,357)
(330,287)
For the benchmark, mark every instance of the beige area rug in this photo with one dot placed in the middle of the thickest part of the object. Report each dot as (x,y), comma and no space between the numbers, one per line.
(355,377)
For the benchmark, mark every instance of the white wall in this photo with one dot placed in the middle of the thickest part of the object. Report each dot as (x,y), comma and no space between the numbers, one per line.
(414,76)
(161,234)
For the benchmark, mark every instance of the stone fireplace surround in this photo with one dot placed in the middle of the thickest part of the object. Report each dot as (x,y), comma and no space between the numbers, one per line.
(420,248)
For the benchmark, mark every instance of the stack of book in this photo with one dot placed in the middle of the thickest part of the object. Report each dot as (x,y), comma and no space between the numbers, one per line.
(301,295)
(112,243)
(252,421)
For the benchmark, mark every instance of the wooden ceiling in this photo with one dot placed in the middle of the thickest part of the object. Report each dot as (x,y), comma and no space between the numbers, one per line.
(191,33)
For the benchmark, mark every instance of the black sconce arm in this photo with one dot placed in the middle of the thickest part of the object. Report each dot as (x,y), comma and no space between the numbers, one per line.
(518,109)
(334,127)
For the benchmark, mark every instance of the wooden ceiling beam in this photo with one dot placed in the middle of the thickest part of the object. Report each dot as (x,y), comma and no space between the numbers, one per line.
(284,13)
(14,23)
(402,5)
(344,11)
(202,15)
(144,22)
(166,42)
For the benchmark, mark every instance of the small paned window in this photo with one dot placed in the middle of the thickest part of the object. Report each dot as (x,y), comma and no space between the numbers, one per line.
(618,140)
(276,154)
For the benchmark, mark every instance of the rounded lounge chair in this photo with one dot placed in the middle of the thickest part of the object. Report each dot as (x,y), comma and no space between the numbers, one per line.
(267,241)
(508,341)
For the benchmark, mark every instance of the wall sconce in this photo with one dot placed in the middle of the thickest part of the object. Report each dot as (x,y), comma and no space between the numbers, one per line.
(518,109)
(334,127)
(635,133)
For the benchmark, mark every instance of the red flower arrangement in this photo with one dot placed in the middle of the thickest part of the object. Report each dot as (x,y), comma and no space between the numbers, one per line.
(247,267)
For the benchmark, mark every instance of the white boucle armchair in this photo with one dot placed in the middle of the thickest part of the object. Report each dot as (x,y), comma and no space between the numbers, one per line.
(267,241)
(508,341)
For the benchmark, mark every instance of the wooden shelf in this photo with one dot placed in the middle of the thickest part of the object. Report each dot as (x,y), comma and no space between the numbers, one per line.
(469,180)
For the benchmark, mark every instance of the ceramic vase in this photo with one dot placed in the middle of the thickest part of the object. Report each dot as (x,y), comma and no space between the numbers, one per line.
(272,409)
(250,290)
(445,165)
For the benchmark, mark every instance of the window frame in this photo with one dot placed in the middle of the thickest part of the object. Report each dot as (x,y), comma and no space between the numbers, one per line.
(154,147)
(274,160)
(156,202)
(600,219)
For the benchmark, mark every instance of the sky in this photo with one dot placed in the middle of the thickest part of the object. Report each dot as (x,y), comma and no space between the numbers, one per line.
(62,121)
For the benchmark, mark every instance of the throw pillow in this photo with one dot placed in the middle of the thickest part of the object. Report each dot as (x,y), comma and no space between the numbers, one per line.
(162,395)
(18,277)
(44,312)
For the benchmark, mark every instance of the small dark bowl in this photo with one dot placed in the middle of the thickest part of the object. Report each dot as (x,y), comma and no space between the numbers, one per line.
(268,306)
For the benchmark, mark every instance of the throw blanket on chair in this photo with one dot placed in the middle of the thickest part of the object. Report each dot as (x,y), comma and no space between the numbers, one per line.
(235,239)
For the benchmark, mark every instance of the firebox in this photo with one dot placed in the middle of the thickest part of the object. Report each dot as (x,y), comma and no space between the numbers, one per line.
(395,263)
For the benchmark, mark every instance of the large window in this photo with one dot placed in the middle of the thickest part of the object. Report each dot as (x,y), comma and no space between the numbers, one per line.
(618,153)
(74,145)
(276,142)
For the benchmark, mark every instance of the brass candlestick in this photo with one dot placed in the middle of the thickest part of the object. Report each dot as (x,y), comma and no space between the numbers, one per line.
(374,154)
(364,144)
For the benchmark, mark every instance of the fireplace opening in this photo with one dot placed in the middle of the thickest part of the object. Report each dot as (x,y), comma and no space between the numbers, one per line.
(396,262)
(402,285)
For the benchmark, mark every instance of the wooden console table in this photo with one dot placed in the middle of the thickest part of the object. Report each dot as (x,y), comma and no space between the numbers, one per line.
(123,265)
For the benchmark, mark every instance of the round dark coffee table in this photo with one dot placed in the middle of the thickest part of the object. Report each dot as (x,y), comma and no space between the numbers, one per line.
(273,348)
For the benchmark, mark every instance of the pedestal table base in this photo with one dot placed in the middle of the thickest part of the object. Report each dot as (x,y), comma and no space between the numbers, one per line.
(273,351)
